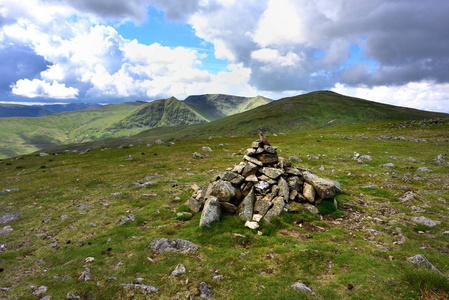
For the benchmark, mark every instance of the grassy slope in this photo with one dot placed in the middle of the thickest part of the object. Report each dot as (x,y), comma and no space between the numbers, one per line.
(24,135)
(326,254)
(17,110)
(168,112)
(304,112)
(217,106)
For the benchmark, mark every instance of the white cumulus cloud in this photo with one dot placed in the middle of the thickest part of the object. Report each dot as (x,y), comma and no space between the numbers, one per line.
(38,88)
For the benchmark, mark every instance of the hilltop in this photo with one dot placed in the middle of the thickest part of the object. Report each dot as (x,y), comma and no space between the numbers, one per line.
(25,135)
(310,111)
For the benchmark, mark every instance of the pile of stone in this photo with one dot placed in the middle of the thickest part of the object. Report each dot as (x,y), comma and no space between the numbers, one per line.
(262,186)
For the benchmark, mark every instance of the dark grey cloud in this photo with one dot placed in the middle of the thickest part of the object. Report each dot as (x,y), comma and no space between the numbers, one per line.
(17,62)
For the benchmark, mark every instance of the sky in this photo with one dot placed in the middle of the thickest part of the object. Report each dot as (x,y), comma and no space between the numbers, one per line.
(110,51)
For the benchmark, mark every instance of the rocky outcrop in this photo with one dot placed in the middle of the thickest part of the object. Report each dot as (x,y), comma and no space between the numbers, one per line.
(262,184)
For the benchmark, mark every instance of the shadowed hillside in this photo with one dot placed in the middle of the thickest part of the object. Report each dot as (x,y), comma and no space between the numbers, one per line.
(217,106)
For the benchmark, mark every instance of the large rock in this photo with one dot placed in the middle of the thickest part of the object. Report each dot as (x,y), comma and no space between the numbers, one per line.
(211,212)
(253,160)
(309,192)
(276,210)
(249,169)
(196,205)
(163,245)
(223,190)
(261,206)
(234,178)
(246,208)
(422,262)
(272,172)
(295,183)
(267,159)
(228,207)
(284,191)
(325,188)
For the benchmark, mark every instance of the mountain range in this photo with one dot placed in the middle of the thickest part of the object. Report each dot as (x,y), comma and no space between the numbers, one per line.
(196,117)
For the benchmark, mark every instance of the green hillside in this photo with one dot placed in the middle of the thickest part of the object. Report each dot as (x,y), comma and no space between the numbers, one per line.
(17,110)
(70,209)
(25,135)
(305,112)
(217,106)
(169,112)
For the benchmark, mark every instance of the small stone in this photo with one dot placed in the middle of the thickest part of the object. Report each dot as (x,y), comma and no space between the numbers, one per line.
(206,149)
(407,196)
(129,218)
(251,225)
(40,290)
(129,158)
(72,296)
(426,221)
(8,217)
(218,277)
(257,217)
(299,286)
(388,165)
(163,245)
(179,270)
(206,291)
(138,280)
(6,229)
(85,275)
(424,169)
(111,279)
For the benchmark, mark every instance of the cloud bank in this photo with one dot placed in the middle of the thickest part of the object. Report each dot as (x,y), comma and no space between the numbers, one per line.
(389,51)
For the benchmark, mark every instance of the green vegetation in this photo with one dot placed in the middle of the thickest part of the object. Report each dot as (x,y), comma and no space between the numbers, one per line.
(217,106)
(352,255)
(17,110)
(26,135)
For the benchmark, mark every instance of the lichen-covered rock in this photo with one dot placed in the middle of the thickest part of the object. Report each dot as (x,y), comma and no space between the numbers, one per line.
(246,207)
(422,262)
(228,207)
(163,245)
(276,210)
(223,190)
(195,205)
(211,212)
(234,178)
(253,160)
(325,188)
(249,169)
(284,191)
(267,159)
(272,172)
(309,192)
(261,206)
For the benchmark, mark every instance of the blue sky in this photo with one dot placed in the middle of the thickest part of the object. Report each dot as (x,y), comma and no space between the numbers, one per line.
(110,52)
(157,29)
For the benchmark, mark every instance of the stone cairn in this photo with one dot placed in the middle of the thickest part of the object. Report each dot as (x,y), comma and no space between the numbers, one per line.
(262,186)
